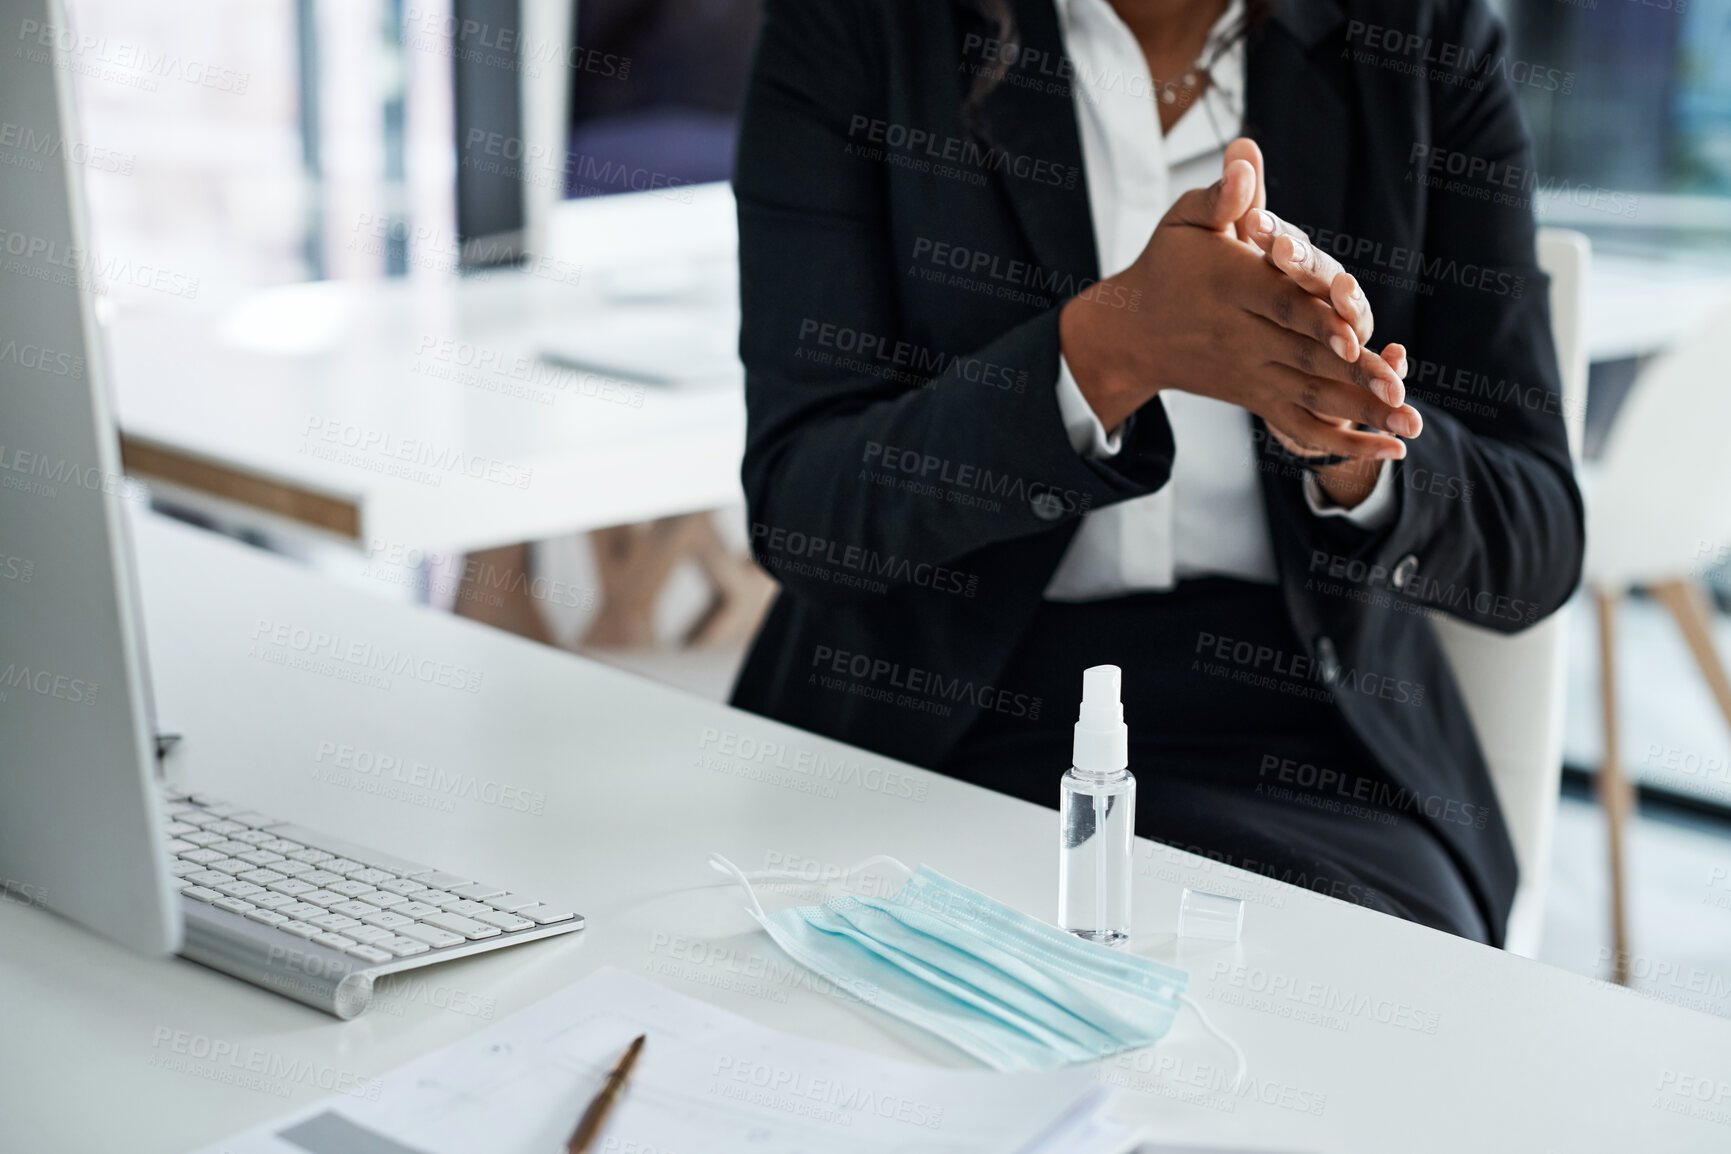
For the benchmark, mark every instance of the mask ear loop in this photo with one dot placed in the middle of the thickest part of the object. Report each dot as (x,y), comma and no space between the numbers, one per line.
(1237,1054)
(717,862)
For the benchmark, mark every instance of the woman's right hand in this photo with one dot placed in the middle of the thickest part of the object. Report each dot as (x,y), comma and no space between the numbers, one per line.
(1227,324)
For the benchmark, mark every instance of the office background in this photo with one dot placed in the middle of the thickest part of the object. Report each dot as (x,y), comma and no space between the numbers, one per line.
(335,140)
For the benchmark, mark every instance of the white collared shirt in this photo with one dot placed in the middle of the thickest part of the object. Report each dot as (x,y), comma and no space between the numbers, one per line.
(1208,519)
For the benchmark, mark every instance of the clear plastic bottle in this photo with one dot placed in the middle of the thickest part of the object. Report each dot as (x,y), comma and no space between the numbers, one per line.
(1097,816)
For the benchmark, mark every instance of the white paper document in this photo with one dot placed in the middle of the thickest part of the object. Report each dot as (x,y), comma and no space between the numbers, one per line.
(708,1082)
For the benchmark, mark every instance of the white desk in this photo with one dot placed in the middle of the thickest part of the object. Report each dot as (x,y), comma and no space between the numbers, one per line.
(1522,1058)
(1639,305)
(343,407)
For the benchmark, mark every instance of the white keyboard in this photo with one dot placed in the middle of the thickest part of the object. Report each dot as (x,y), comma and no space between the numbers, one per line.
(346,898)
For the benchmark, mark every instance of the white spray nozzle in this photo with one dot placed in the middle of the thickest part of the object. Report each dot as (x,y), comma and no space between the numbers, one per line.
(1102,743)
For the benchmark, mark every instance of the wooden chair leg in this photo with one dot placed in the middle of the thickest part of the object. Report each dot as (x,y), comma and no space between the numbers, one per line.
(1688,605)
(1615,794)
(634,562)
(742,593)
(495,591)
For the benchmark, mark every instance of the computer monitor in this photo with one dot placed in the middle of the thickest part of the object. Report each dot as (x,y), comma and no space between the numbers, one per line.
(81,818)
(656,90)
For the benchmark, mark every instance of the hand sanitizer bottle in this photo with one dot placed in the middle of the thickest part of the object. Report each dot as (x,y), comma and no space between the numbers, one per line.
(1097,814)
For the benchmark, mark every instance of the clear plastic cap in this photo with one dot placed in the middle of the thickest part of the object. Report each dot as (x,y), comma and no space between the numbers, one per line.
(1211,917)
(1102,743)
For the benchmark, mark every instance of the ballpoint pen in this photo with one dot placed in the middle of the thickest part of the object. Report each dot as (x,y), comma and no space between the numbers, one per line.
(589,1125)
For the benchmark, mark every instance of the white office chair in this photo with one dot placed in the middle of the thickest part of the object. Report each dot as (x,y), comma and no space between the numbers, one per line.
(1514,684)
(1658,513)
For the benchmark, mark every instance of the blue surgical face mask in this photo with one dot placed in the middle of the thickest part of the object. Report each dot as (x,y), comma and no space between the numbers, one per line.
(1014,992)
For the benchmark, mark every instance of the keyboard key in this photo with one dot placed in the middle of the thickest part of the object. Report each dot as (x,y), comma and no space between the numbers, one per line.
(438,939)
(228,847)
(416,910)
(179,829)
(253,837)
(403,947)
(200,893)
(252,818)
(176,847)
(468,909)
(219,808)
(368,954)
(334,922)
(233,905)
(444,881)
(440,898)
(361,854)
(261,877)
(475,891)
(355,910)
(403,886)
(510,923)
(546,915)
(181,868)
(239,889)
(301,912)
(386,920)
(335,941)
(379,899)
(266,917)
(469,928)
(350,889)
(371,875)
(269,901)
(324,899)
(343,865)
(311,856)
(367,935)
(178,806)
(322,877)
(293,869)
(200,837)
(294,887)
(282,845)
(225,827)
(233,866)
(206,877)
(511,903)
(197,817)
(201,856)
(299,929)
(261,857)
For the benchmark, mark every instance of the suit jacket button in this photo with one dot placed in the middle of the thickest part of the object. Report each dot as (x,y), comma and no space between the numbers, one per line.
(1327,661)
(1403,571)
(1047,507)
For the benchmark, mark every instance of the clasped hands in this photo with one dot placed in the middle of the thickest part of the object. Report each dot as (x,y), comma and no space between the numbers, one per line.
(1247,312)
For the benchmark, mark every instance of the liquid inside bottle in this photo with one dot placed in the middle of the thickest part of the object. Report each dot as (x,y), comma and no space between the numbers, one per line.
(1097,813)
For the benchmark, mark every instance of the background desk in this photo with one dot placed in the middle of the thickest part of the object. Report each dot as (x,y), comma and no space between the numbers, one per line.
(638,789)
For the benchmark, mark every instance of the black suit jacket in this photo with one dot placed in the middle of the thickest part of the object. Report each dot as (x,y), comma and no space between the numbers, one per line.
(911,484)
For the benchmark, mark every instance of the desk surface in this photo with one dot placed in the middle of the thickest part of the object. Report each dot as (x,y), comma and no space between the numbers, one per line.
(416,412)
(1363,1033)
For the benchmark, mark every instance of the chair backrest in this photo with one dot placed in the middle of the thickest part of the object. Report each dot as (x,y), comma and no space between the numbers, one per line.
(1514,684)
(1659,504)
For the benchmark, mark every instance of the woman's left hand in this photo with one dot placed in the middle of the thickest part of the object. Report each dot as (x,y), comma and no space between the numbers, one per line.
(1288,249)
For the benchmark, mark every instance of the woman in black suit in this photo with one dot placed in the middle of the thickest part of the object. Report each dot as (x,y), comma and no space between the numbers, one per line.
(1028,393)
